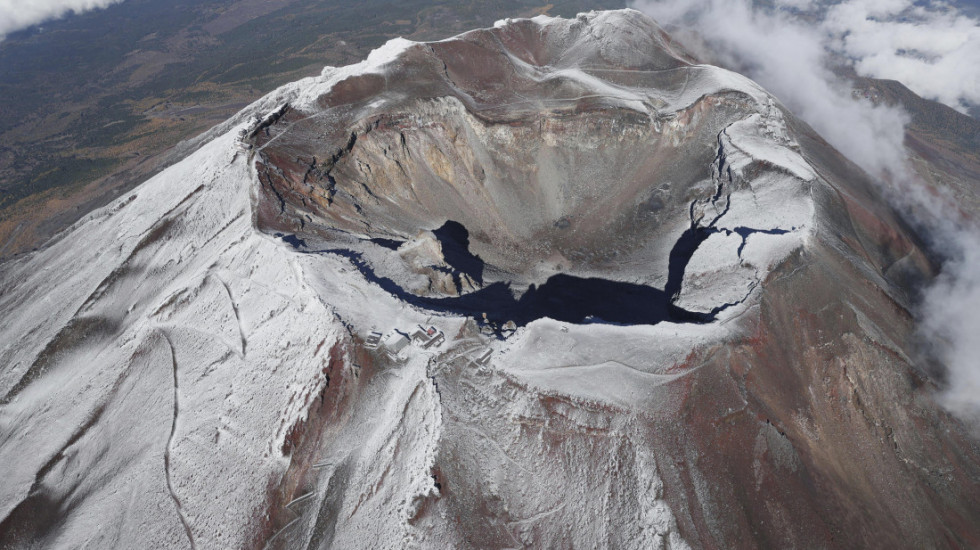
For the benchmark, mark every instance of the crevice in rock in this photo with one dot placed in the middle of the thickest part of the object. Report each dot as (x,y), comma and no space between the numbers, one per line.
(744,233)
(692,238)
(718,309)
(238,318)
(169,447)
(272,187)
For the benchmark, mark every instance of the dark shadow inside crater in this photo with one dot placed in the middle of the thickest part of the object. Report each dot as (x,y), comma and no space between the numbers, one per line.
(390,244)
(455,241)
(292,240)
(562,297)
(577,300)
(680,256)
(688,243)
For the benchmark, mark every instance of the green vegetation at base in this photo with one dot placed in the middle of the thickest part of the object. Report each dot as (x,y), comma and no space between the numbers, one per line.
(63,173)
(82,95)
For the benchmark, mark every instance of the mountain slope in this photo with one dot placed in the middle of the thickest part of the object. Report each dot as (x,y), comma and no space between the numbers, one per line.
(710,343)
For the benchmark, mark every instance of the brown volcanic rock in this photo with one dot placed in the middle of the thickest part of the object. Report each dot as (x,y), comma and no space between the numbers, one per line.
(818,431)
(944,144)
(475,129)
(809,427)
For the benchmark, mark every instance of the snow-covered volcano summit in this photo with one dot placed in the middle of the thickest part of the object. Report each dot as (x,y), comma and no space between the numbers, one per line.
(550,284)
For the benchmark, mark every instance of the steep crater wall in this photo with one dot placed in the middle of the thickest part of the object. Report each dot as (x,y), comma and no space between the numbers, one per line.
(564,174)
(557,190)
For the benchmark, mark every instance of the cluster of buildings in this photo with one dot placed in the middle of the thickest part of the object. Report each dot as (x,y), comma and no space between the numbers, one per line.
(396,341)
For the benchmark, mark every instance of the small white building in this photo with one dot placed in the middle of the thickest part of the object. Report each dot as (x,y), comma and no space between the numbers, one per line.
(396,342)
(484,359)
(373,340)
(437,340)
(428,337)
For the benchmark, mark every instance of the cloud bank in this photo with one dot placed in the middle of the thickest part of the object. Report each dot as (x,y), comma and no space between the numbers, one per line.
(788,58)
(934,50)
(931,48)
(951,323)
(20,14)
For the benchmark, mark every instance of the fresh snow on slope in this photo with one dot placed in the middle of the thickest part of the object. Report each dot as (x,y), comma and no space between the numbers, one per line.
(201,346)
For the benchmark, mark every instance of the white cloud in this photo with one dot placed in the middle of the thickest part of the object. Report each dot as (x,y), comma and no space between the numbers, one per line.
(20,14)
(787,57)
(951,323)
(934,51)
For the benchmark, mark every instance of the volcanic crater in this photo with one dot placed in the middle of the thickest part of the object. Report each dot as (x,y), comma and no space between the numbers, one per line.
(544,184)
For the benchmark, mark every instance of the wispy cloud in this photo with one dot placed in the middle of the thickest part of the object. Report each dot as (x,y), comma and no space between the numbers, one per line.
(951,323)
(931,49)
(20,14)
(788,57)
